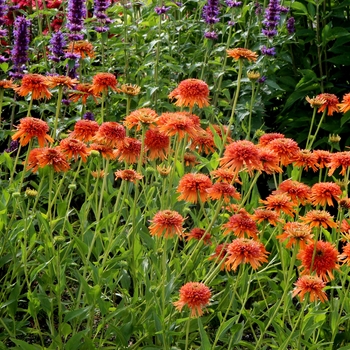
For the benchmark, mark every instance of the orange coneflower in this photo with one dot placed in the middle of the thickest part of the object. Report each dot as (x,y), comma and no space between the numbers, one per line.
(85,130)
(142,116)
(129,150)
(344,106)
(98,174)
(177,123)
(243,54)
(323,193)
(296,233)
(7,84)
(110,134)
(203,142)
(195,119)
(322,158)
(297,191)
(268,137)
(196,296)
(157,144)
(193,185)
(190,159)
(318,218)
(105,151)
(167,222)
(240,224)
(345,256)
(243,251)
(29,128)
(240,155)
(36,84)
(270,161)
(316,102)
(344,203)
(344,227)
(305,159)
(331,103)
(53,157)
(222,190)
(320,257)
(285,148)
(33,162)
(280,203)
(73,148)
(163,170)
(128,175)
(266,215)
(102,81)
(83,91)
(130,89)
(197,234)
(61,80)
(312,285)
(81,47)
(223,175)
(220,254)
(191,92)
(339,159)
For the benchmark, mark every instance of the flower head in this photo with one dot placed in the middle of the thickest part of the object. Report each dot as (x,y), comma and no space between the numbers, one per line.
(323,193)
(240,224)
(270,161)
(130,89)
(83,91)
(243,251)
(322,158)
(344,106)
(33,162)
(320,257)
(220,254)
(157,144)
(331,103)
(193,185)
(29,128)
(266,215)
(82,47)
(306,159)
(297,191)
(268,137)
(222,190)
(191,92)
(74,148)
(53,157)
(190,159)
(339,159)
(142,116)
(240,53)
(203,142)
(285,148)
(296,233)
(110,134)
(223,175)
(312,285)
(199,234)
(315,102)
(85,130)
(280,203)
(167,222)
(196,296)
(61,80)
(102,81)
(318,218)
(105,151)
(35,84)
(128,175)
(129,150)
(7,84)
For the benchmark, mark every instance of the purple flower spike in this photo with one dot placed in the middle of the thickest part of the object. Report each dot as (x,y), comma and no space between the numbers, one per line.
(211,35)
(161,10)
(3,12)
(100,9)
(57,44)
(75,18)
(268,51)
(291,25)
(211,12)
(272,17)
(231,3)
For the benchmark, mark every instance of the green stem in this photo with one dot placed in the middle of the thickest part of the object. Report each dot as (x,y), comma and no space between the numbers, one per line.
(313,138)
(310,130)
(58,110)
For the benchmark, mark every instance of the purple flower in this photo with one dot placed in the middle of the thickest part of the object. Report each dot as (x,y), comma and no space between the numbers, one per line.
(72,56)
(291,25)
(65,102)
(100,9)
(272,17)
(3,11)
(89,116)
(211,12)
(75,18)
(72,70)
(283,9)
(231,3)
(13,147)
(20,48)
(161,10)
(3,32)
(231,23)
(57,44)
(211,35)
(262,79)
(3,59)
(268,51)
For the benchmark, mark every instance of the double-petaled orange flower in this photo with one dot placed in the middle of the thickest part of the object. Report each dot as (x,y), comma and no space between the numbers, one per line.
(35,84)
(199,234)
(305,159)
(157,144)
(83,91)
(85,130)
(266,215)
(73,149)
(129,150)
(344,106)
(298,192)
(203,142)
(241,53)
(110,134)
(81,47)
(280,203)
(102,81)
(285,148)
(323,193)
(53,157)
(297,234)
(105,151)
(241,224)
(339,159)
(61,80)
(222,190)
(312,286)
(268,137)
(191,186)
(220,254)
(270,161)
(142,116)
(128,175)
(331,103)
(168,223)
(318,218)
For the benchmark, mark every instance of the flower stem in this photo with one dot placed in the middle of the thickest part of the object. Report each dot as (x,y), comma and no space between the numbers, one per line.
(58,110)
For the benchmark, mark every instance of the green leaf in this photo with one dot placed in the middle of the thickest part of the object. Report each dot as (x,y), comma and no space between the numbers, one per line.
(23,345)
(79,314)
(205,343)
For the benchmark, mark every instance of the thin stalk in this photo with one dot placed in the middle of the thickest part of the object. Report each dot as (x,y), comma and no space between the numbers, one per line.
(58,110)
(308,140)
(318,128)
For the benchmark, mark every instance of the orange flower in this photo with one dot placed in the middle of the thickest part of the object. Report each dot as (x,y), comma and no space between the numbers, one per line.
(267,138)
(7,84)
(239,155)
(129,150)
(346,254)
(110,134)
(142,116)
(53,157)
(157,144)
(325,192)
(197,234)
(220,254)
(73,148)
(128,175)
(240,224)
(84,130)
(191,92)
(315,102)
(344,203)
(167,222)
(222,190)
(105,151)
(35,84)
(270,161)
(29,128)
(82,48)
(242,53)
(196,296)
(83,91)
(318,218)
(297,191)
(344,106)
(98,174)
(242,251)
(193,185)
(203,142)
(305,159)
(339,159)
(322,158)
(331,103)
(102,81)
(281,203)
(177,124)
(312,285)
(33,162)
(263,215)
(285,148)
(223,175)
(61,80)
(320,257)
(190,159)
(129,89)
(297,234)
